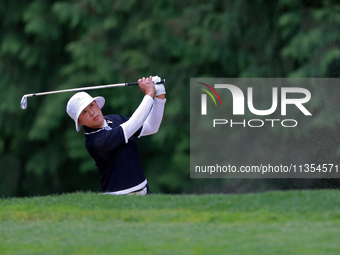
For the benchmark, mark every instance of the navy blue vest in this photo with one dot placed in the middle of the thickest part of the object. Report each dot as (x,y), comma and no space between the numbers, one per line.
(119,163)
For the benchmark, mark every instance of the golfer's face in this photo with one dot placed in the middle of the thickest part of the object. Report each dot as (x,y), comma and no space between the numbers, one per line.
(91,116)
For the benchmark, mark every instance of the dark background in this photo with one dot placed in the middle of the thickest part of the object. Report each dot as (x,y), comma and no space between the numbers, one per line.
(51,45)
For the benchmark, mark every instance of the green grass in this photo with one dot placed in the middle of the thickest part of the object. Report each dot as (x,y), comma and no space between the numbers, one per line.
(294,222)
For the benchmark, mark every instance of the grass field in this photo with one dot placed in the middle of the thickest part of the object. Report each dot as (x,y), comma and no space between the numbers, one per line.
(294,222)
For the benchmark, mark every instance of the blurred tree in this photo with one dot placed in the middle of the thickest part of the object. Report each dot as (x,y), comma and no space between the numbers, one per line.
(50,45)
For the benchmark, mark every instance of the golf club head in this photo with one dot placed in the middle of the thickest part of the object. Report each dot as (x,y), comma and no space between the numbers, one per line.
(23,103)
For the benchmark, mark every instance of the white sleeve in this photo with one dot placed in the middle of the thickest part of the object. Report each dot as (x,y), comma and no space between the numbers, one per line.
(153,122)
(138,118)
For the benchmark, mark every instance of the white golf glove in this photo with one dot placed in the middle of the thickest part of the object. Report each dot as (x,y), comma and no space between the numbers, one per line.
(160,88)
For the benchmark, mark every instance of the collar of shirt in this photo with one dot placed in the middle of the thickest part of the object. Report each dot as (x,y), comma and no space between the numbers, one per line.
(106,126)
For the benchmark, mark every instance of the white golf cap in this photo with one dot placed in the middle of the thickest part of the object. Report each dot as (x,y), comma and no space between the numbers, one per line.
(78,102)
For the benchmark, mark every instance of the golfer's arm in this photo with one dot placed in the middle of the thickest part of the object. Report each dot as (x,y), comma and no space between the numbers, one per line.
(138,117)
(153,122)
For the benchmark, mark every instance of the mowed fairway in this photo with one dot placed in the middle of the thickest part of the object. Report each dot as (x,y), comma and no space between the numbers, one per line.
(294,222)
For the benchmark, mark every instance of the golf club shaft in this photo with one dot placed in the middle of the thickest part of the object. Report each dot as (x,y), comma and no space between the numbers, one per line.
(23,103)
(80,89)
(87,88)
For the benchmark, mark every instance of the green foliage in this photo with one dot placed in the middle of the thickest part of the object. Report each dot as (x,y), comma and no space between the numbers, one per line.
(313,43)
(51,45)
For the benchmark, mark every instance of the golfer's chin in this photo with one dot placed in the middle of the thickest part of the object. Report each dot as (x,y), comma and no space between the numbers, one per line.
(97,122)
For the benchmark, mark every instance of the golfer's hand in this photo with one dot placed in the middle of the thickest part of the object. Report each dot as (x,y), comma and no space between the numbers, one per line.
(146,85)
(160,91)
(160,88)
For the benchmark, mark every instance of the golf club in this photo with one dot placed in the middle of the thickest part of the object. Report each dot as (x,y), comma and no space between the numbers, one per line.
(23,103)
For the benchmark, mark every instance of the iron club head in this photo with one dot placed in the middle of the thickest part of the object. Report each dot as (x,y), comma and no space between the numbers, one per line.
(23,103)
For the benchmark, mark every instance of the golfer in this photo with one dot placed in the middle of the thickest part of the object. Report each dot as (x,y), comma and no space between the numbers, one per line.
(110,139)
